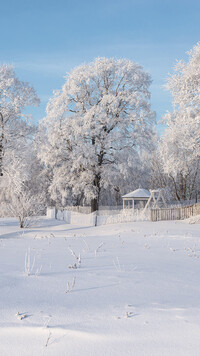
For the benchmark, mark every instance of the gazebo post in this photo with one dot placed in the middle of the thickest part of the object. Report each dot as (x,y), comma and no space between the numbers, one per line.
(129,205)
(133,202)
(123,204)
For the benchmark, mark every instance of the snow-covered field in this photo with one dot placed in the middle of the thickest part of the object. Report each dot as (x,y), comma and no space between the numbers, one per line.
(136,291)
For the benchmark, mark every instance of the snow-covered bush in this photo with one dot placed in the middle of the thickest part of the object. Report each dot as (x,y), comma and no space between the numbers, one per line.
(22,185)
(18,198)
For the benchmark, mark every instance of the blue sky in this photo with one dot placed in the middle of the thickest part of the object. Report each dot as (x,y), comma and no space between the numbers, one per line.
(45,39)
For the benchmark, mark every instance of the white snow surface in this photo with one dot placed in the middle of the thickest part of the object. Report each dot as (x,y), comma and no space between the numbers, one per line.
(136,292)
(193,219)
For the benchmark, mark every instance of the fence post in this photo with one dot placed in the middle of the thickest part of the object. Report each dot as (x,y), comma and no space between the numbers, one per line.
(51,212)
(95,218)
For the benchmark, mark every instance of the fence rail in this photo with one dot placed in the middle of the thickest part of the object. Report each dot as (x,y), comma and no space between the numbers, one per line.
(102,217)
(111,217)
(179,213)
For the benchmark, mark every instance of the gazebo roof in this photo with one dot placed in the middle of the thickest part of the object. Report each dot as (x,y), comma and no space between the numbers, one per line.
(138,193)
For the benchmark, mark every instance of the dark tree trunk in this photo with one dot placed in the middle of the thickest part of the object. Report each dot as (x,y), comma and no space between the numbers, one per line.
(97,180)
(95,201)
(21,222)
(175,188)
(94,205)
(192,189)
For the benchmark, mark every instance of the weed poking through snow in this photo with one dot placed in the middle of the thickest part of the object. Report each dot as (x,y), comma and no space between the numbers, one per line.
(69,289)
(48,339)
(117,264)
(98,248)
(29,264)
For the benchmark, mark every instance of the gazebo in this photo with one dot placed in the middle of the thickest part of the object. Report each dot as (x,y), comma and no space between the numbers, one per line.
(137,198)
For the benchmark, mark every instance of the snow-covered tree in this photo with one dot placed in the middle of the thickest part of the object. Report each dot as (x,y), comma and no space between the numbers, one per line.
(184,84)
(180,153)
(97,125)
(17,156)
(15,95)
(180,144)
(185,90)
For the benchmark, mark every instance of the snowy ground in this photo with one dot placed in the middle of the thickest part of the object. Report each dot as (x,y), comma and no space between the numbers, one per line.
(138,293)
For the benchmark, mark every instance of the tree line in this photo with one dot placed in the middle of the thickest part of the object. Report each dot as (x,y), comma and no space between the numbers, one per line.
(98,139)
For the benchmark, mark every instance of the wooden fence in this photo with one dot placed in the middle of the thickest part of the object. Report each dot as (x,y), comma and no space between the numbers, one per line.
(183,212)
